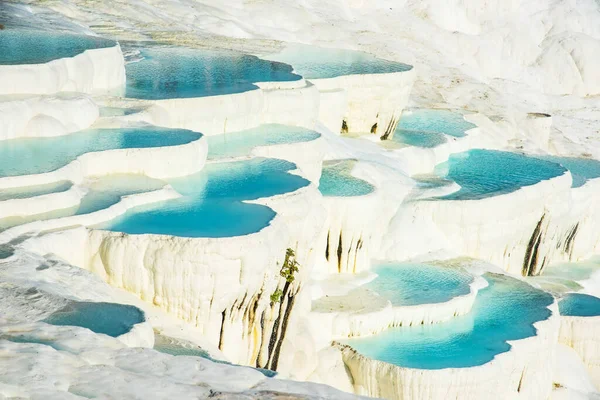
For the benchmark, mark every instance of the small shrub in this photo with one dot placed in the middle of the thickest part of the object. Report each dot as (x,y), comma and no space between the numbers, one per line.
(276,296)
(290,266)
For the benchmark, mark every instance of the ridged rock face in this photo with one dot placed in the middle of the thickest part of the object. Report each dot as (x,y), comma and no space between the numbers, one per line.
(522,232)
(365,103)
(96,70)
(224,286)
(356,225)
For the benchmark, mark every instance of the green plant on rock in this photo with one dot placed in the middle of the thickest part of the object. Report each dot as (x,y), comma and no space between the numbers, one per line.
(276,296)
(290,266)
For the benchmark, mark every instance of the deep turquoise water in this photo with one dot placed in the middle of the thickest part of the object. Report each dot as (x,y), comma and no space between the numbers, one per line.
(33,191)
(318,63)
(336,180)
(108,318)
(407,284)
(168,72)
(579,305)
(240,143)
(36,47)
(505,310)
(433,121)
(582,169)
(487,173)
(38,155)
(212,205)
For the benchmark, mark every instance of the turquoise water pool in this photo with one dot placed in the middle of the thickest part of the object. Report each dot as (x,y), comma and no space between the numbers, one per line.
(582,169)
(337,180)
(107,191)
(39,155)
(21,46)
(240,143)
(319,63)
(168,72)
(174,347)
(419,139)
(433,121)
(108,318)
(505,310)
(579,305)
(212,202)
(487,173)
(408,284)
(33,191)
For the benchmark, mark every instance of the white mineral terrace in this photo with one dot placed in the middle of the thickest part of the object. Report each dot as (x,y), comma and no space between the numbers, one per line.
(310,192)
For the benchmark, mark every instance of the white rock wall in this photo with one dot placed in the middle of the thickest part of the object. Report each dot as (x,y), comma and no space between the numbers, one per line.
(46,116)
(370,99)
(93,71)
(176,161)
(583,335)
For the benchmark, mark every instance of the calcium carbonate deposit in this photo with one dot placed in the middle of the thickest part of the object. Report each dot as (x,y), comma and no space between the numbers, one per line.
(317,199)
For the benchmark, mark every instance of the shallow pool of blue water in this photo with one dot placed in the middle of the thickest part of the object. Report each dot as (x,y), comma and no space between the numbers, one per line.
(487,173)
(108,318)
(174,347)
(419,139)
(447,122)
(170,72)
(39,155)
(319,63)
(241,143)
(337,180)
(505,310)
(582,169)
(408,284)
(21,46)
(33,191)
(212,201)
(579,305)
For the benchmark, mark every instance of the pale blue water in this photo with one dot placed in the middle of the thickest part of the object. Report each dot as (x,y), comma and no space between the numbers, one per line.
(319,63)
(168,72)
(36,47)
(108,318)
(582,169)
(487,173)
(407,284)
(107,191)
(419,139)
(38,155)
(579,305)
(173,347)
(336,180)
(240,143)
(212,205)
(433,121)
(33,191)
(505,310)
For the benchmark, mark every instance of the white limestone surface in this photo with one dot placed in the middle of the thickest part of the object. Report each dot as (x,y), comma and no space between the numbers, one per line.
(499,229)
(215,284)
(523,372)
(582,335)
(362,312)
(45,116)
(93,71)
(373,102)
(295,103)
(357,225)
(42,204)
(176,161)
(90,219)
